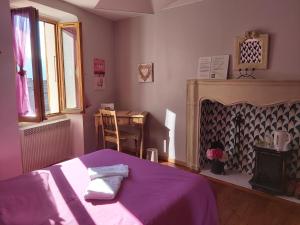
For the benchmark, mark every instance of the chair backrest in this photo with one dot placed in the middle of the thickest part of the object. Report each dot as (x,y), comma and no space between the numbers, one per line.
(108,106)
(109,123)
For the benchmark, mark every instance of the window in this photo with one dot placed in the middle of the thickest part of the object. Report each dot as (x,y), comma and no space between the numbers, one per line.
(70,67)
(47,34)
(49,74)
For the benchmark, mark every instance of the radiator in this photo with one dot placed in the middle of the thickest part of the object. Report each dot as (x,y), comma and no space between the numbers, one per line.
(45,144)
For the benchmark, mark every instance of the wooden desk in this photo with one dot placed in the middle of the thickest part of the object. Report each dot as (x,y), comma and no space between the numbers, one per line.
(126,118)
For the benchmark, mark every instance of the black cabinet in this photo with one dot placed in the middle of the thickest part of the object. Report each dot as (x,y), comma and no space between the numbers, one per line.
(269,173)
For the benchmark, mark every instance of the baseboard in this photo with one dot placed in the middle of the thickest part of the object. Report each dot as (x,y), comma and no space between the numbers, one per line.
(175,161)
(281,199)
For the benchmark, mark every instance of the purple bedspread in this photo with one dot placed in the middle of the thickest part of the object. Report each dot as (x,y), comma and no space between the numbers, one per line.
(153,194)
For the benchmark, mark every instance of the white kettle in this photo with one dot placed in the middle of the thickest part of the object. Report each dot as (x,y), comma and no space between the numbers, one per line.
(281,140)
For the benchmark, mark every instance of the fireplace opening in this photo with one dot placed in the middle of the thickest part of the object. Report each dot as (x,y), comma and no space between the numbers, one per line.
(240,127)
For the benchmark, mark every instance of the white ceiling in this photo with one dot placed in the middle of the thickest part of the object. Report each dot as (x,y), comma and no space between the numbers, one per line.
(120,9)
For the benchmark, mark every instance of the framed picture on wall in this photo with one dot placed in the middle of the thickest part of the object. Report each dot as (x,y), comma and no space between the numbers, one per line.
(251,51)
(145,73)
(99,66)
(99,82)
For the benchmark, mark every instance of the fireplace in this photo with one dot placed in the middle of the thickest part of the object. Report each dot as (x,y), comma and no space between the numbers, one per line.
(259,93)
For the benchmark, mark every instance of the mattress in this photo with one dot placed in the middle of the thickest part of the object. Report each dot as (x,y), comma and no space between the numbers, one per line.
(153,194)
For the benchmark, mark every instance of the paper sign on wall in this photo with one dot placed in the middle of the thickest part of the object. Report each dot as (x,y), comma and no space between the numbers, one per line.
(99,66)
(99,82)
(213,67)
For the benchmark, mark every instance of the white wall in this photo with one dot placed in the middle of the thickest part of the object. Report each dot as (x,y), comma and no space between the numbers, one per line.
(10,153)
(176,38)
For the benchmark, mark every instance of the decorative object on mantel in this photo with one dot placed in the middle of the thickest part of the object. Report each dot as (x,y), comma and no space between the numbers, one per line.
(246,73)
(145,72)
(251,53)
(218,157)
(213,67)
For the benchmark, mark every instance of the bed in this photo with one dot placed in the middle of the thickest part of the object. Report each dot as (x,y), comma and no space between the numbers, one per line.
(153,194)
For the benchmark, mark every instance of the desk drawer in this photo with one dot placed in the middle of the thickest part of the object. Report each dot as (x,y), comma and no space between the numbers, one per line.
(123,121)
(137,120)
(129,121)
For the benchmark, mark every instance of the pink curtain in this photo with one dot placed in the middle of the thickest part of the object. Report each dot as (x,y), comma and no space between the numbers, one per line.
(21,38)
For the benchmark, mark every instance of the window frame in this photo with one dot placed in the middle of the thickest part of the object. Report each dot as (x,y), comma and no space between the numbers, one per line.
(55,23)
(37,71)
(79,68)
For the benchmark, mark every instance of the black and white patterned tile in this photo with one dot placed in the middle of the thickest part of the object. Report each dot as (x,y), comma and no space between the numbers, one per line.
(258,123)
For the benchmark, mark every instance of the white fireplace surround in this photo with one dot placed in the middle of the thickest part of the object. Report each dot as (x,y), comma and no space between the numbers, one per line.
(229,92)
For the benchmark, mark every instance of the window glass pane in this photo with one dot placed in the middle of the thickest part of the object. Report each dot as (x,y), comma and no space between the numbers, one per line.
(30,84)
(27,67)
(69,60)
(49,68)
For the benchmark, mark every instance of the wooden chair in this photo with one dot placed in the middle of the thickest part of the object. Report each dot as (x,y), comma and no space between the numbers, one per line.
(111,132)
(108,106)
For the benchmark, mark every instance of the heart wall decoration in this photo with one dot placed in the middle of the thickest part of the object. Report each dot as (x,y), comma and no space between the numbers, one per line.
(145,72)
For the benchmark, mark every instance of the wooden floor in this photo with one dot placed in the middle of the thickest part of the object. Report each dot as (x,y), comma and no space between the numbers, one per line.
(240,207)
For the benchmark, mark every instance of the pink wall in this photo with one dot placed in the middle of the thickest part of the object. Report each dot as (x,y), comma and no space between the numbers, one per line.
(77,134)
(10,154)
(176,38)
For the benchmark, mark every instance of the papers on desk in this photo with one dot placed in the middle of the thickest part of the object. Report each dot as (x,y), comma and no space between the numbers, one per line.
(213,67)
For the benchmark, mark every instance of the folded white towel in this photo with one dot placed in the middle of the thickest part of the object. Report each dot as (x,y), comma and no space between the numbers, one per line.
(107,171)
(103,188)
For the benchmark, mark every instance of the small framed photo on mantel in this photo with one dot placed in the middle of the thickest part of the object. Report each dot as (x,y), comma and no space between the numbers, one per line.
(213,67)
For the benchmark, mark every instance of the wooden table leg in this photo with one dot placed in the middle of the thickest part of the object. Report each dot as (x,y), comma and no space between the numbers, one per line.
(97,131)
(142,141)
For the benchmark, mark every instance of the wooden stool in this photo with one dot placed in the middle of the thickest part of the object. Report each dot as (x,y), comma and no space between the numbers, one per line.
(152,154)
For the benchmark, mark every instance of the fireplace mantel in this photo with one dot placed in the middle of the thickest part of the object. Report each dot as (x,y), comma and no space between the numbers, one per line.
(229,92)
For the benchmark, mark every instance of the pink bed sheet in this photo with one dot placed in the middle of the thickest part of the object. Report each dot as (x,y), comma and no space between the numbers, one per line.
(153,194)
